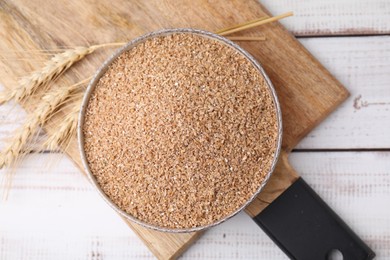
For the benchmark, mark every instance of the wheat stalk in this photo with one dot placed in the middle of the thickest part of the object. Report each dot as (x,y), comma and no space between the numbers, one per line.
(50,102)
(53,68)
(66,130)
(242,24)
(246,38)
(252,24)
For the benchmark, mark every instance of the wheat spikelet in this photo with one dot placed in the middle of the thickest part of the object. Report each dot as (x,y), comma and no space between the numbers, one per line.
(53,68)
(49,103)
(66,130)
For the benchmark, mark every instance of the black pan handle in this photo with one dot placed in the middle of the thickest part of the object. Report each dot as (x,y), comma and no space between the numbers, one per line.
(305,227)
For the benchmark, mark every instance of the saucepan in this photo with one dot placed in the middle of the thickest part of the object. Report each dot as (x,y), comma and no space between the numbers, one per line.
(315,229)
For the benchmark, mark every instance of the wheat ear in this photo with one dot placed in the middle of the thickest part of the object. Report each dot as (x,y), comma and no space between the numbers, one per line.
(50,102)
(66,129)
(53,68)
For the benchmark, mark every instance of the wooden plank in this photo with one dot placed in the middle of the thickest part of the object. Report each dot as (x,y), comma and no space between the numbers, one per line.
(362,64)
(334,17)
(289,65)
(355,184)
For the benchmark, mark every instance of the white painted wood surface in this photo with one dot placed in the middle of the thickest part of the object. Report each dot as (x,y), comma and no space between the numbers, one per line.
(355,184)
(53,213)
(362,64)
(334,17)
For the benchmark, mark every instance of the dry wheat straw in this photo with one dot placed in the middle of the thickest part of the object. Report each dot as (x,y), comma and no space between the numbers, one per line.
(53,68)
(253,23)
(246,38)
(50,102)
(66,129)
(242,24)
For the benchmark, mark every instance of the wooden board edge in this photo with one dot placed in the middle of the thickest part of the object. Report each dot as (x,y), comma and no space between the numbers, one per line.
(186,245)
(145,235)
(282,177)
(344,95)
(343,92)
(286,174)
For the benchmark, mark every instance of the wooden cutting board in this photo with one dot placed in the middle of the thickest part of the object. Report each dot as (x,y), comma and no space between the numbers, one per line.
(307,91)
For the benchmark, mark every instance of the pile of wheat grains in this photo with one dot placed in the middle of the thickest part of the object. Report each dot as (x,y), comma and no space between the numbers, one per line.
(180,131)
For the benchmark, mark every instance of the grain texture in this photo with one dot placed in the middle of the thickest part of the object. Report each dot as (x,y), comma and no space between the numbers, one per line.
(181,131)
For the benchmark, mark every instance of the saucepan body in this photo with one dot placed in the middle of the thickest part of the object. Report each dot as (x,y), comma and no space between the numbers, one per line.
(128,47)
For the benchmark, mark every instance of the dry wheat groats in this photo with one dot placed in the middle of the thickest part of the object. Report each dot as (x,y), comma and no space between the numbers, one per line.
(180,131)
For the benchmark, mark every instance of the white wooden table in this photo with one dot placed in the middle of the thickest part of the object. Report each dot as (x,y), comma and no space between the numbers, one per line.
(53,213)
